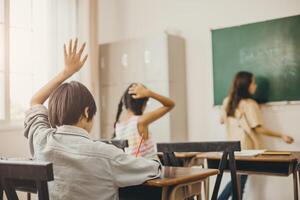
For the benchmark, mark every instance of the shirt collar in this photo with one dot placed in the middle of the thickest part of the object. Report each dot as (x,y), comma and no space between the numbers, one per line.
(73,130)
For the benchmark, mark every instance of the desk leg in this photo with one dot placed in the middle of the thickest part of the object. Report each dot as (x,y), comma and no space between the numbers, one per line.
(238,176)
(206,188)
(222,165)
(164,194)
(295,179)
(236,193)
(1,192)
(298,179)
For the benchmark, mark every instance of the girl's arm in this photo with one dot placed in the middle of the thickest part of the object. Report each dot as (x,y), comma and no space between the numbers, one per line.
(73,63)
(139,91)
(265,131)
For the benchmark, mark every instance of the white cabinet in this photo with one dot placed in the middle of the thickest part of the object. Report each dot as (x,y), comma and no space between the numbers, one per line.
(157,62)
(110,64)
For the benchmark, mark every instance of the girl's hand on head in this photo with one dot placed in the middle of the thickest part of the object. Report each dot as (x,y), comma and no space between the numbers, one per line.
(139,91)
(73,61)
(287,139)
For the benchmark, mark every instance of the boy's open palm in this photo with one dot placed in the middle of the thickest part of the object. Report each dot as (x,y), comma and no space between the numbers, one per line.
(73,61)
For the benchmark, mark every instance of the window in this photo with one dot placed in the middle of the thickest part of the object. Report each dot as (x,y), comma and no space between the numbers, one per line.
(32,33)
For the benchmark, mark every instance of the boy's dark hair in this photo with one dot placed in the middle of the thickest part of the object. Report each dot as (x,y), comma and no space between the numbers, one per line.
(135,105)
(239,90)
(67,103)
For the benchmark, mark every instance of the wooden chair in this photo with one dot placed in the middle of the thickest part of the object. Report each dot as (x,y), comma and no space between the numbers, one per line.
(122,144)
(228,148)
(28,176)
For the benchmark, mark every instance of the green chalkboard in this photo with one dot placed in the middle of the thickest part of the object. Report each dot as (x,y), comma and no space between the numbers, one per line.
(269,49)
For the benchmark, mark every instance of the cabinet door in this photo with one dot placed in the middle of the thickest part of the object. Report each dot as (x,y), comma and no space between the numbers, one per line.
(176,58)
(110,64)
(178,116)
(110,98)
(132,62)
(155,55)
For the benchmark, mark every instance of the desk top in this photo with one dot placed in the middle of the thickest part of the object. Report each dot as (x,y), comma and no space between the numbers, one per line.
(294,157)
(180,175)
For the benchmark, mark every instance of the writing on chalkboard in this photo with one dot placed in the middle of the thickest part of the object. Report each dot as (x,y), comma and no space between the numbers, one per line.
(250,55)
(281,59)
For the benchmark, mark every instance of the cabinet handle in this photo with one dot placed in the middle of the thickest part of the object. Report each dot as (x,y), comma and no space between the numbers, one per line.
(147,56)
(124,60)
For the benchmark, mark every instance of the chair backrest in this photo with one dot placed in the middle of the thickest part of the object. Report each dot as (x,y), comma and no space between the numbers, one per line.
(122,144)
(227,147)
(25,175)
(199,146)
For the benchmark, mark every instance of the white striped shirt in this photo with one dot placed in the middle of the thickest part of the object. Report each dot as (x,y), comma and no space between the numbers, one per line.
(129,131)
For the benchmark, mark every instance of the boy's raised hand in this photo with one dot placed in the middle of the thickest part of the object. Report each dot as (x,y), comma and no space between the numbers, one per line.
(73,61)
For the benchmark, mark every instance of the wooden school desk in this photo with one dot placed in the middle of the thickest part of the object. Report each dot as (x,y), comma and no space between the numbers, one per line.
(273,165)
(175,183)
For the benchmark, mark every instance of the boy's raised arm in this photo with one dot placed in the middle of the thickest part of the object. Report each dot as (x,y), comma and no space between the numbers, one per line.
(73,63)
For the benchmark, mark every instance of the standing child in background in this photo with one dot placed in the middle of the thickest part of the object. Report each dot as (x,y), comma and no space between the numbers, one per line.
(243,119)
(134,126)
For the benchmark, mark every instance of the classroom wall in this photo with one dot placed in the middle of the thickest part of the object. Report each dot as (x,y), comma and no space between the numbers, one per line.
(193,19)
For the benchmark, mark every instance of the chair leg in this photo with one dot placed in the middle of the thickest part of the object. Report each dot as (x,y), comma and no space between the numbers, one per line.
(9,189)
(42,188)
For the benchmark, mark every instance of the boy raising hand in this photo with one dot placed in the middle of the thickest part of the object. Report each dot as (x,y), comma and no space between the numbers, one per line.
(83,168)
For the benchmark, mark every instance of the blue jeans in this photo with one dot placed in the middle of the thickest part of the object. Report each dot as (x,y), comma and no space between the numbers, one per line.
(227,192)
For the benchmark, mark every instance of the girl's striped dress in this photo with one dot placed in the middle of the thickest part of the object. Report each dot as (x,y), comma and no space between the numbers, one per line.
(129,131)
